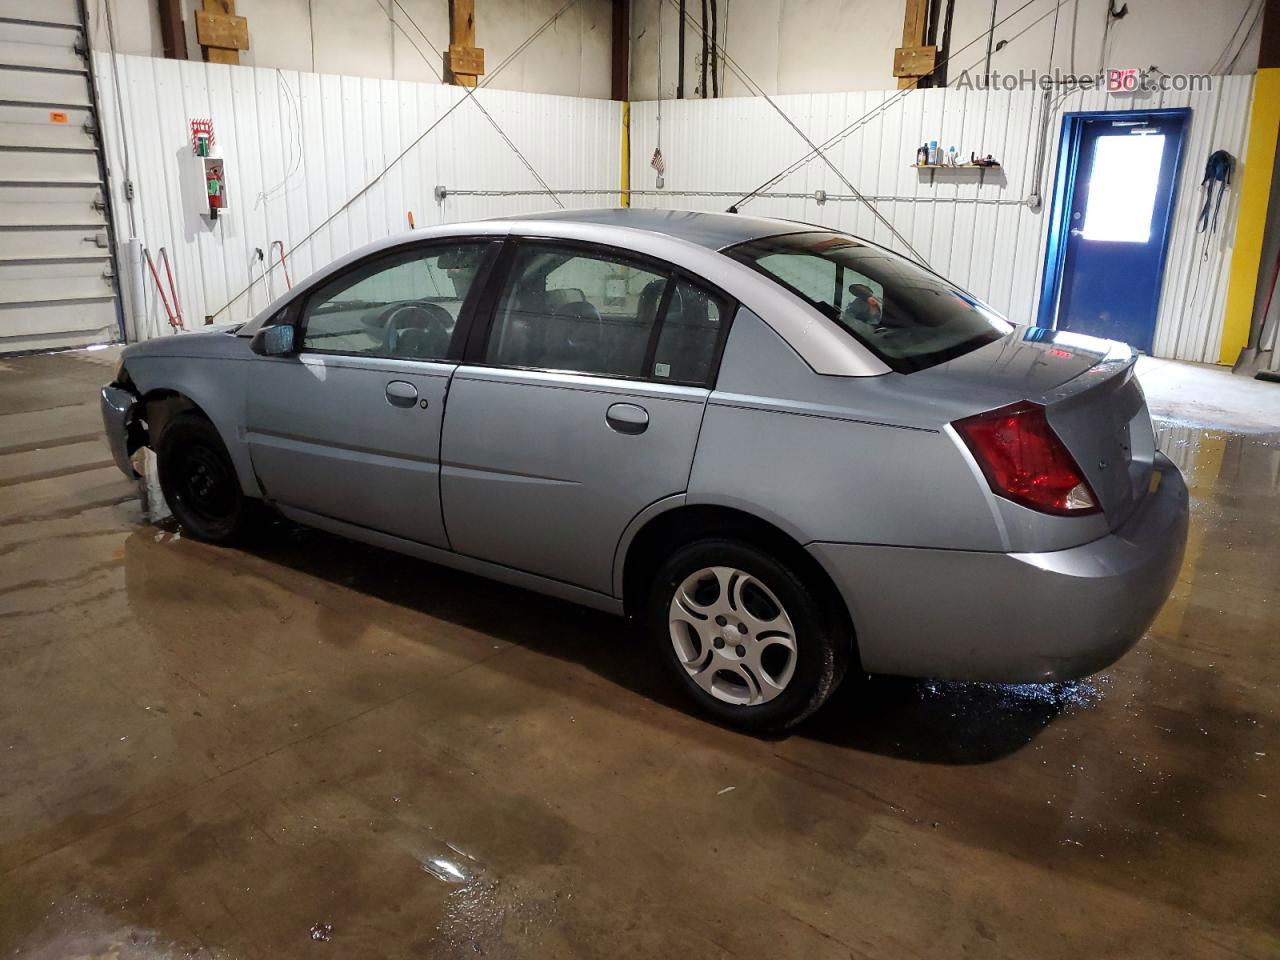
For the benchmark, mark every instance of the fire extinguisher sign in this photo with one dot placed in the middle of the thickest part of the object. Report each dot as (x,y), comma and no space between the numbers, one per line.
(201,137)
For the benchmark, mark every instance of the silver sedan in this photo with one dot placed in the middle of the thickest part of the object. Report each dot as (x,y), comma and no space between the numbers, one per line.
(786,451)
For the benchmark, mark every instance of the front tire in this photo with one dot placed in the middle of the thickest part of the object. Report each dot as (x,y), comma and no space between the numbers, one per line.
(746,639)
(199,481)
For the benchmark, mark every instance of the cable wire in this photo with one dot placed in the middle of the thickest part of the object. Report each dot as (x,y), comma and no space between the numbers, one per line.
(880,108)
(405,152)
(751,85)
(470,94)
(1222,65)
(295,123)
(120,121)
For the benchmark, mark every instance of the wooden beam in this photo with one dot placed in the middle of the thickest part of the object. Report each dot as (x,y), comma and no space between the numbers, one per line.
(914,23)
(464,61)
(914,20)
(911,62)
(220,30)
(620,88)
(173,35)
(221,33)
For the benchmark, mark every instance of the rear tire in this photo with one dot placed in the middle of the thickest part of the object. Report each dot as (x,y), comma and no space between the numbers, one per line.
(745,638)
(199,481)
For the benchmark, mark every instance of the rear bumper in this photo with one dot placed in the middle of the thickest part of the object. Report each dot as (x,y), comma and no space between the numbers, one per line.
(117,408)
(1020,617)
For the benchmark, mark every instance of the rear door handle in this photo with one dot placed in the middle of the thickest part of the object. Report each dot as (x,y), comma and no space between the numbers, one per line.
(627,418)
(402,394)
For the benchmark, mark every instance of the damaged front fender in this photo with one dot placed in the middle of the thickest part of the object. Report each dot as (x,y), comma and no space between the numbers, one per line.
(121,426)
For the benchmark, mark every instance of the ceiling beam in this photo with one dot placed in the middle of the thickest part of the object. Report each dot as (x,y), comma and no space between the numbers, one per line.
(620,87)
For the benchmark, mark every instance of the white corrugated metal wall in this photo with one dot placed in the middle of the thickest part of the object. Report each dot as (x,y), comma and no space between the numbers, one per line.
(980,234)
(297,146)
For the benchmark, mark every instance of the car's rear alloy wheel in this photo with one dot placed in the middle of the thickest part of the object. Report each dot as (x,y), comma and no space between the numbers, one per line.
(199,481)
(745,637)
(732,635)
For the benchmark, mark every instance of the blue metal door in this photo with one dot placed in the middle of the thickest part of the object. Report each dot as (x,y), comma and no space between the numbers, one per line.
(1115,222)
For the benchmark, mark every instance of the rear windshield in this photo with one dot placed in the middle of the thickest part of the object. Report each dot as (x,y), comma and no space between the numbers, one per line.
(908,317)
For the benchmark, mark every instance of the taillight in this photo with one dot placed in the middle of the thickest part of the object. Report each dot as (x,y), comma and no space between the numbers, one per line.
(1024,461)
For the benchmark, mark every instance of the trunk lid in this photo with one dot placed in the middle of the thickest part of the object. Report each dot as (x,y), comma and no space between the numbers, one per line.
(1091,397)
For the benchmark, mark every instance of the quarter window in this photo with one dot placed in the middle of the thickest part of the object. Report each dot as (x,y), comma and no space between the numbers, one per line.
(405,305)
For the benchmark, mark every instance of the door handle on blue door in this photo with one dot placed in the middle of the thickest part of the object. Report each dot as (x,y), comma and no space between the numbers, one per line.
(627,418)
(402,394)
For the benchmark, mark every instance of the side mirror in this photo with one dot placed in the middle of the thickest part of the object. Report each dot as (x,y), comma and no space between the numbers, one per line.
(274,341)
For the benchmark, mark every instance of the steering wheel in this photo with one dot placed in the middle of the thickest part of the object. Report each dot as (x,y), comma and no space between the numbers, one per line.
(418,330)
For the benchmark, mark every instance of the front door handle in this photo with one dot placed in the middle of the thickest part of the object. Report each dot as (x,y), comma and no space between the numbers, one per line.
(627,418)
(402,394)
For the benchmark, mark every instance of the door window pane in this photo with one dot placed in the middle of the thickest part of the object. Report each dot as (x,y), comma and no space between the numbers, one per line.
(689,335)
(405,305)
(1122,187)
(568,310)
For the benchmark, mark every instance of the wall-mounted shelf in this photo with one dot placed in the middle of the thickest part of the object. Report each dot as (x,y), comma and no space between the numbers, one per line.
(982,168)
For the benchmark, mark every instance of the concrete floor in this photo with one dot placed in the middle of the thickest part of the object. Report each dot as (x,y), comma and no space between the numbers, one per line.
(316,748)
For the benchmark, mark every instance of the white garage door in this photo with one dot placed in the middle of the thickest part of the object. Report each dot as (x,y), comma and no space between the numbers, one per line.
(56,284)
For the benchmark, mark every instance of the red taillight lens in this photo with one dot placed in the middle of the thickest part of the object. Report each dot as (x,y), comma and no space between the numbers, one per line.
(1023,460)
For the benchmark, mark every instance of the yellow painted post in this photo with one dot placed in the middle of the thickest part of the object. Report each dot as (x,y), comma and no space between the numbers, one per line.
(624,198)
(1251,222)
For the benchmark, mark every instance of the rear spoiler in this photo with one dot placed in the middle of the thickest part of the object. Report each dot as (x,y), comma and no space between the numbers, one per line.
(1112,372)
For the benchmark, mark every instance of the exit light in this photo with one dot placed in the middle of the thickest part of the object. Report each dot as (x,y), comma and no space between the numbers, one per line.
(1122,81)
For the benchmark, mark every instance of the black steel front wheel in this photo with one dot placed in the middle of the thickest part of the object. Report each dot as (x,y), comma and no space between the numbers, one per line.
(199,481)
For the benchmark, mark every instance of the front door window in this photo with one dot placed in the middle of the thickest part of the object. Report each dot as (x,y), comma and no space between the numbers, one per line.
(405,305)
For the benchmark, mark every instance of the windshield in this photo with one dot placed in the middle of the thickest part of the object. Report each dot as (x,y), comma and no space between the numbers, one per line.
(908,317)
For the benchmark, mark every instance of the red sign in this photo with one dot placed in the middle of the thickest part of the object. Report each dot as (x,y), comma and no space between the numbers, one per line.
(201,129)
(1122,81)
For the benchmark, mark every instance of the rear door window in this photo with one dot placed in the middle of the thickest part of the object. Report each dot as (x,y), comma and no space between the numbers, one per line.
(576,310)
(691,329)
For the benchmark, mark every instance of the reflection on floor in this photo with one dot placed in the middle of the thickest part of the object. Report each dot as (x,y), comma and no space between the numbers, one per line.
(316,746)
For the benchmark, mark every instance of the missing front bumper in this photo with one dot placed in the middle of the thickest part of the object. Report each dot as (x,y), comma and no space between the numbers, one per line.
(117,421)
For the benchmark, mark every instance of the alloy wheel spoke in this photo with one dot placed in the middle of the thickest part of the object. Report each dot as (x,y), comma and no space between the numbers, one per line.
(707,675)
(749,678)
(755,623)
(723,645)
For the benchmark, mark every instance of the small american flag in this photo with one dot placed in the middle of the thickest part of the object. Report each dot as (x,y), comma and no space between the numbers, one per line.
(657,162)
